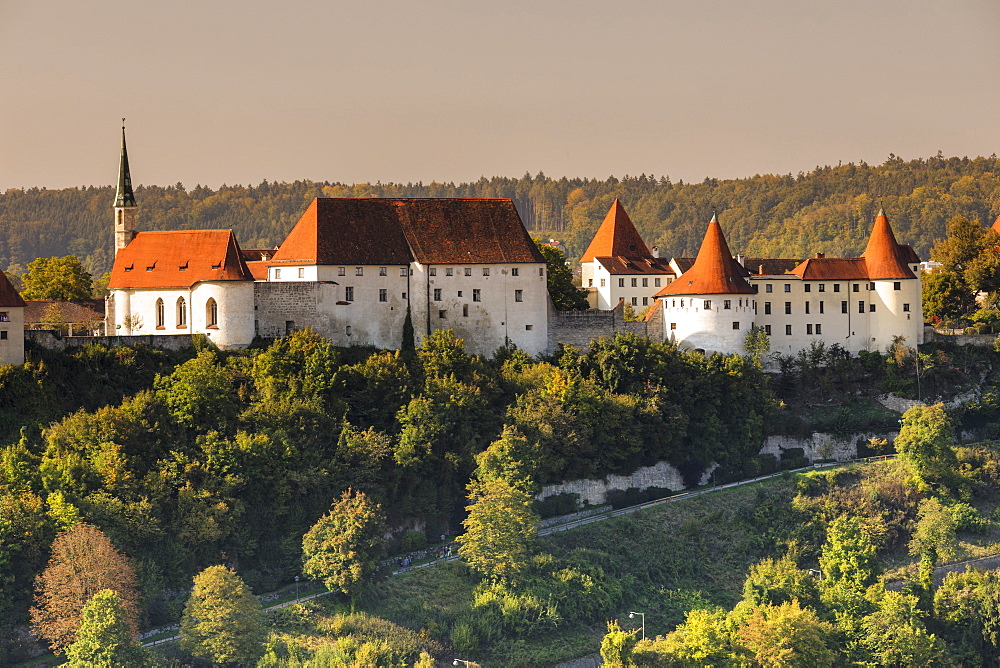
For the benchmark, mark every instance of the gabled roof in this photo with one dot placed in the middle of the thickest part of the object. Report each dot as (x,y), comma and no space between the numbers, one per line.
(883,255)
(626,265)
(833,268)
(714,270)
(770,266)
(72,310)
(616,236)
(124,195)
(178,259)
(398,230)
(8,295)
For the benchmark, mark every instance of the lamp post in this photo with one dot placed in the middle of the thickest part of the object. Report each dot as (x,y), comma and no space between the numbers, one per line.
(458,661)
(642,615)
(296,588)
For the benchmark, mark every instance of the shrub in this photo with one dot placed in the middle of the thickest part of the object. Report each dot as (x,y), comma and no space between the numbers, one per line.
(558,504)
(968,518)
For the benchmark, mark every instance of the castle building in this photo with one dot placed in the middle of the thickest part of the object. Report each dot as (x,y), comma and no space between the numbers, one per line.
(618,265)
(354,270)
(11,323)
(860,303)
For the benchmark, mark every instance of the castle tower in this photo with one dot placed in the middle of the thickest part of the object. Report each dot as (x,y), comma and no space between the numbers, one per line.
(896,299)
(124,202)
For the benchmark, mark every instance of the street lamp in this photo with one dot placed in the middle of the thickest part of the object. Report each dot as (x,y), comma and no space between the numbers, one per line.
(817,573)
(632,615)
(458,661)
(296,588)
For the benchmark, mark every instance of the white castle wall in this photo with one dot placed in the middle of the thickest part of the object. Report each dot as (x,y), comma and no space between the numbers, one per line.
(713,329)
(12,348)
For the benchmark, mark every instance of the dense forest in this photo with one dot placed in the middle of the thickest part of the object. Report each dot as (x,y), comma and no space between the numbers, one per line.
(828,209)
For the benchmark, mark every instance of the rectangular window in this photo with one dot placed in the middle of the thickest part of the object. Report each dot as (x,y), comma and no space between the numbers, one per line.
(382,271)
(441,314)
(359,271)
(342,271)
(277,274)
(788,308)
(856,288)
(590,282)
(788,287)
(807,287)
(403,271)
(736,325)
(468,271)
(529,327)
(437,294)
(635,282)
(4,316)
(861,307)
(302,272)
(708,304)
(621,282)
(819,329)
(519,295)
(348,294)
(788,330)
(476,295)
(906,307)
(449,272)
(486,271)
(871,286)
(541,271)
(514,271)
(602,282)
(383,295)
(727,304)
(767,330)
(404,295)
(635,301)
(822,287)
(897,286)
(673,325)
(645,301)
(656,282)
(807,308)
(465,310)
(3,334)
(836,287)
(347,330)
(843,307)
(459,293)
(768,288)
(821,308)
(871,308)
(767,308)
(809,329)
(432,271)
(645,282)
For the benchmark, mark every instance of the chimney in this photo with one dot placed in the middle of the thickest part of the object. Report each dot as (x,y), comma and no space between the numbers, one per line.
(655,251)
(760,270)
(820,256)
(741,258)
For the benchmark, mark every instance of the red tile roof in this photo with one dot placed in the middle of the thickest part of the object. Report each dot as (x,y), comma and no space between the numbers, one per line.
(616,236)
(883,255)
(396,230)
(714,270)
(625,265)
(770,266)
(8,295)
(76,311)
(178,259)
(833,269)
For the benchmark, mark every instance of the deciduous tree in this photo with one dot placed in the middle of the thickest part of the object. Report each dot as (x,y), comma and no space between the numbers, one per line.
(105,639)
(498,530)
(57,278)
(562,289)
(223,621)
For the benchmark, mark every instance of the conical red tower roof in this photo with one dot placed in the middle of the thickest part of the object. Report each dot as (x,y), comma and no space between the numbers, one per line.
(616,237)
(996,225)
(883,255)
(713,272)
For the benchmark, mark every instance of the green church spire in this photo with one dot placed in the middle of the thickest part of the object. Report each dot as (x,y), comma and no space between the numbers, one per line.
(124,196)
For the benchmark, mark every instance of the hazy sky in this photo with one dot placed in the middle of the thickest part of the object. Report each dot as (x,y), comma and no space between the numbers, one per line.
(220,91)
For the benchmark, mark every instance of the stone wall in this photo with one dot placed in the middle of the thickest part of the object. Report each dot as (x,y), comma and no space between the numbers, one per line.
(593,492)
(579,328)
(901,405)
(820,445)
(48,339)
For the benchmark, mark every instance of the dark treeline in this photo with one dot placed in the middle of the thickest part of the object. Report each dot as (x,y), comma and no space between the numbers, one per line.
(826,210)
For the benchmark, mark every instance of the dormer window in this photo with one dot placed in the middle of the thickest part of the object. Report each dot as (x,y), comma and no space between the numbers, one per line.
(151,268)
(183,267)
(129,268)
(216,266)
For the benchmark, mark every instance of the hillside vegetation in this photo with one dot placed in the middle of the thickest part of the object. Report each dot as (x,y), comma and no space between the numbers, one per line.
(828,209)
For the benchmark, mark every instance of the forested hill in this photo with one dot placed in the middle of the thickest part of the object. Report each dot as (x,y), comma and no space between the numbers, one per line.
(829,209)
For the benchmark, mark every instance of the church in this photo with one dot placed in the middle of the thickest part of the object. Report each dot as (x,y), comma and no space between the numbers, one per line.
(357,271)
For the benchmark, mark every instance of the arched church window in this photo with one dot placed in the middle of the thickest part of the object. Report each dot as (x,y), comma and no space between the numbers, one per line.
(182,314)
(159,314)
(212,313)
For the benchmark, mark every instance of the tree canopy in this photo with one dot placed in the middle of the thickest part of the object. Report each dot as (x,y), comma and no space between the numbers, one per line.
(223,621)
(56,278)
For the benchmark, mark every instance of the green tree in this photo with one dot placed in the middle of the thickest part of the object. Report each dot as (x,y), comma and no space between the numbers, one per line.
(772,582)
(704,639)
(788,635)
(894,635)
(498,530)
(925,442)
(562,290)
(848,555)
(945,296)
(344,547)
(617,647)
(105,639)
(223,621)
(200,394)
(57,278)
(757,344)
(83,563)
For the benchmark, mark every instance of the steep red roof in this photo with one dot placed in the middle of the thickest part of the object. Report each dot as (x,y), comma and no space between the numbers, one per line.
(714,270)
(626,265)
(883,255)
(396,230)
(178,259)
(616,236)
(833,269)
(996,225)
(8,295)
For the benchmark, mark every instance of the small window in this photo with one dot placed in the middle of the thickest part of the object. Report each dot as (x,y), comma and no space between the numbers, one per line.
(433,271)
(645,282)
(843,307)
(403,295)
(856,288)
(602,282)
(809,329)
(836,287)
(819,328)
(182,312)
(383,295)
(211,313)
(529,327)
(736,325)
(359,271)
(277,274)
(807,308)
(486,271)
(871,286)
(382,271)
(821,308)
(349,294)
(788,308)
(635,301)
(708,304)
(477,295)
(788,287)
(160,314)
(342,271)
(807,287)
(897,285)
(871,308)
(673,325)
(3,334)
(590,282)
(514,271)
(468,271)
(347,330)
(682,302)
(4,316)
(767,330)
(645,301)
(441,314)
(449,272)
(518,295)
(788,330)
(656,282)
(302,272)
(767,308)
(727,304)
(822,287)
(635,282)
(768,288)
(621,282)
(459,293)
(465,310)
(437,294)
(861,307)
(906,307)
(129,268)
(403,271)
(541,271)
